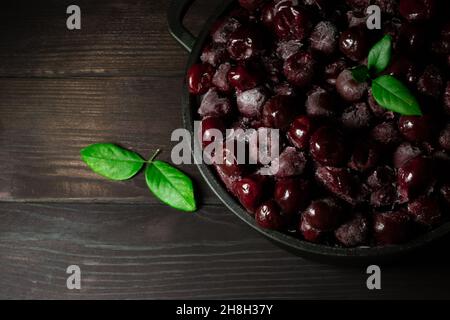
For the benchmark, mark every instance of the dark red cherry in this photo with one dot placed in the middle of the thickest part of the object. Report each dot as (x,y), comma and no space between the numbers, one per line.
(404,153)
(245,43)
(356,117)
(308,232)
(386,134)
(244,78)
(292,195)
(446,98)
(250,193)
(269,216)
(354,43)
(327,146)
(214,54)
(300,68)
(365,156)
(417,10)
(417,129)
(392,228)
(211,128)
(384,197)
(199,78)
(341,182)
(333,70)
(349,89)
(381,177)
(412,38)
(300,132)
(426,211)
(353,233)
(278,112)
(228,162)
(251,4)
(292,23)
(324,214)
(220,79)
(269,10)
(415,178)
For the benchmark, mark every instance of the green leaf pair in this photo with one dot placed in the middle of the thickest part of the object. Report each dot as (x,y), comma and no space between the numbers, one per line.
(167,183)
(387,91)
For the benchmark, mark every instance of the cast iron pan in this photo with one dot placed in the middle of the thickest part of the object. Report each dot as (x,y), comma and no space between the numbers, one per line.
(192,44)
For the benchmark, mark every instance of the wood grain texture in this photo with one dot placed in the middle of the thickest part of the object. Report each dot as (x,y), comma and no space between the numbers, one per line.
(44,123)
(148,251)
(117,37)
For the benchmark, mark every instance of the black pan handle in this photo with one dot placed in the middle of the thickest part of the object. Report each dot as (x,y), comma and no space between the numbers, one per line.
(175,16)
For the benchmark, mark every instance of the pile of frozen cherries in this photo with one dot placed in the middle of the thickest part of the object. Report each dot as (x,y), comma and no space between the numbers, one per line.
(351,173)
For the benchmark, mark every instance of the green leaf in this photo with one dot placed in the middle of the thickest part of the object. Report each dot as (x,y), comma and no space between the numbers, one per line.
(360,73)
(380,54)
(171,186)
(112,161)
(393,95)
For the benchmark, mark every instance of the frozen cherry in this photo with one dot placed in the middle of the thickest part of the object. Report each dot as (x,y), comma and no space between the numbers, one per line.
(220,79)
(404,153)
(292,23)
(324,37)
(350,89)
(386,134)
(431,82)
(308,232)
(278,112)
(244,78)
(269,10)
(214,105)
(353,233)
(245,43)
(269,216)
(383,197)
(381,177)
(426,211)
(446,98)
(289,163)
(299,69)
(300,132)
(324,214)
(199,78)
(357,116)
(416,129)
(292,195)
(222,29)
(286,49)
(214,54)
(250,102)
(417,10)
(445,192)
(353,43)
(415,178)
(340,182)
(320,103)
(250,192)
(211,127)
(444,138)
(392,228)
(327,146)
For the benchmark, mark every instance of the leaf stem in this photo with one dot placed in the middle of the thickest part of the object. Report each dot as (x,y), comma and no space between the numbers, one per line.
(154,156)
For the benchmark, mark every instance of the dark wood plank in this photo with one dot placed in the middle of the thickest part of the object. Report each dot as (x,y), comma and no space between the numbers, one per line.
(117,38)
(44,123)
(145,251)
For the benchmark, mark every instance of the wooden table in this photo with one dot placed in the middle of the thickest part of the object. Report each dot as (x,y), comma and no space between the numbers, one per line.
(118,79)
